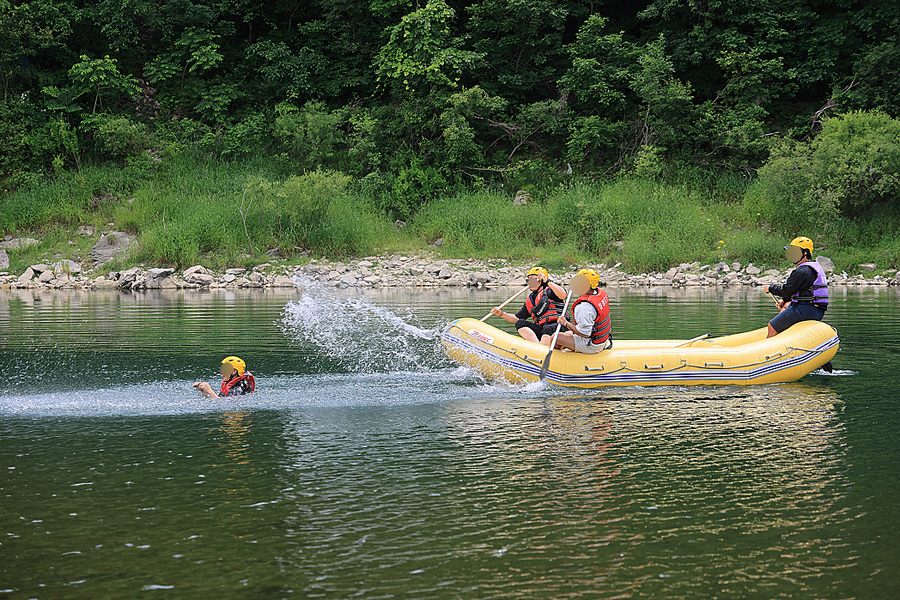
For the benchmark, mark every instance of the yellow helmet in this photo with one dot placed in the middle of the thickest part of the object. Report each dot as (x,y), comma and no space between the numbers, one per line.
(539,271)
(592,277)
(239,365)
(802,242)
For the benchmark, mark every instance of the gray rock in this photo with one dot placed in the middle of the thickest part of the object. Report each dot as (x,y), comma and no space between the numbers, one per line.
(46,276)
(69,266)
(18,243)
(102,283)
(436,267)
(773,272)
(130,275)
(365,264)
(235,271)
(735,266)
(274,253)
(257,277)
(722,267)
(167,283)
(40,267)
(110,246)
(671,273)
(868,267)
(399,224)
(372,279)
(242,282)
(827,263)
(200,279)
(282,281)
(195,269)
(229,278)
(348,279)
(160,273)
(26,276)
(445,273)
(4,259)
(521,198)
(479,278)
(618,244)
(751,270)
(438,242)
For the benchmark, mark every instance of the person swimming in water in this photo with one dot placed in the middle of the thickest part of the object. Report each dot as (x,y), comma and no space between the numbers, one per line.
(236,380)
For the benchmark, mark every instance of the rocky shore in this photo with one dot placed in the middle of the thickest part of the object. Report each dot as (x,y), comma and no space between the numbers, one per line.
(394,270)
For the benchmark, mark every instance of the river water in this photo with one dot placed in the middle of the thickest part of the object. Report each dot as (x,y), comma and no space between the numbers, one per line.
(367,465)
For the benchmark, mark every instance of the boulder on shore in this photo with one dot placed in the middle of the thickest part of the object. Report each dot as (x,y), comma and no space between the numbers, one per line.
(827,263)
(110,246)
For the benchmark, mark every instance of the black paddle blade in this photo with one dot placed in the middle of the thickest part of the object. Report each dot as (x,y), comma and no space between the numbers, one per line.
(828,367)
(546,366)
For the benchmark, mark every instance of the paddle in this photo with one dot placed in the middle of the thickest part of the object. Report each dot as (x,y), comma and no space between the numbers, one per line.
(777,301)
(484,318)
(546,364)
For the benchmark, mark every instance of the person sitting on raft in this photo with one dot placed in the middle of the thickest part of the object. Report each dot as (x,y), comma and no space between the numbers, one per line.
(236,380)
(590,330)
(543,305)
(804,294)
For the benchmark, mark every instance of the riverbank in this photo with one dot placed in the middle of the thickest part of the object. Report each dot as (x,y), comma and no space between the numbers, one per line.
(397,270)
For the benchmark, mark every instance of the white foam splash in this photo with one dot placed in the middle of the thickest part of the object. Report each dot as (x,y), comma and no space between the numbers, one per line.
(359,335)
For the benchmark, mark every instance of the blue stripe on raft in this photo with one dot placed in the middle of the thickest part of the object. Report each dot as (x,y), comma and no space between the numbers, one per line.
(632,376)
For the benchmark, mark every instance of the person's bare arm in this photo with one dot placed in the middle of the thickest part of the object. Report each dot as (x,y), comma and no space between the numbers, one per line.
(557,289)
(205,389)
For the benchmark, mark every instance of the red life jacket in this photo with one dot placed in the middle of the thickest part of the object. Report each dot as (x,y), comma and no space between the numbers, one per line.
(602,327)
(246,380)
(542,309)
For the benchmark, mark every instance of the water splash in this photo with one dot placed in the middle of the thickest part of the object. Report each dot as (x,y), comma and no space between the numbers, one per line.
(360,336)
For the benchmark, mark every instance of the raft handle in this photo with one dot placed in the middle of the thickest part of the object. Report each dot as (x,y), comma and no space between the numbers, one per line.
(714,364)
(653,367)
(536,361)
(600,368)
(771,356)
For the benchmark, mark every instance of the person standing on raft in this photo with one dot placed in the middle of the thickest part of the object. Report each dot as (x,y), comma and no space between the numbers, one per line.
(543,306)
(590,330)
(804,294)
(236,380)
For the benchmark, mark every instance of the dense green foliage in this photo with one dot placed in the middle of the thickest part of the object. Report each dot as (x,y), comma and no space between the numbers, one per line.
(398,110)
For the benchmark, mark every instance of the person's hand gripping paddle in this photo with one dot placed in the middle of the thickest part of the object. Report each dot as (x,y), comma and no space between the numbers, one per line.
(516,295)
(546,364)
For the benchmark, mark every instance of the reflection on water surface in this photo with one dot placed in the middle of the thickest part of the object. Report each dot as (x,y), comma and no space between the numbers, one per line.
(402,475)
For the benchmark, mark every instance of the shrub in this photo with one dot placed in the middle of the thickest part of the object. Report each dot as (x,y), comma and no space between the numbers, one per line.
(851,169)
(117,136)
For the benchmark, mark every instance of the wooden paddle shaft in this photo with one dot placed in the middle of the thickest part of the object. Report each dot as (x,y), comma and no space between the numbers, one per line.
(516,295)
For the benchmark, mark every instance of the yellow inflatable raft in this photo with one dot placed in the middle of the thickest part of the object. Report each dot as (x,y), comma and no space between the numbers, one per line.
(742,359)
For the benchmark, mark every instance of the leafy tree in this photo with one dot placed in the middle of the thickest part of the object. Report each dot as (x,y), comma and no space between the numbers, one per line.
(99,75)
(422,54)
(524,45)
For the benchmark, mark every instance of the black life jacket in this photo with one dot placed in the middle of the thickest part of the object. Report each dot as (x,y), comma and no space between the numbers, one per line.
(601,330)
(542,309)
(245,381)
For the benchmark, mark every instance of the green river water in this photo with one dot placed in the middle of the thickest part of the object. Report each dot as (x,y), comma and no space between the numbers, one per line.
(367,465)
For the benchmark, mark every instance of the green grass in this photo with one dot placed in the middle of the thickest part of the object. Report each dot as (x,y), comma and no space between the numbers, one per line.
(187,210)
